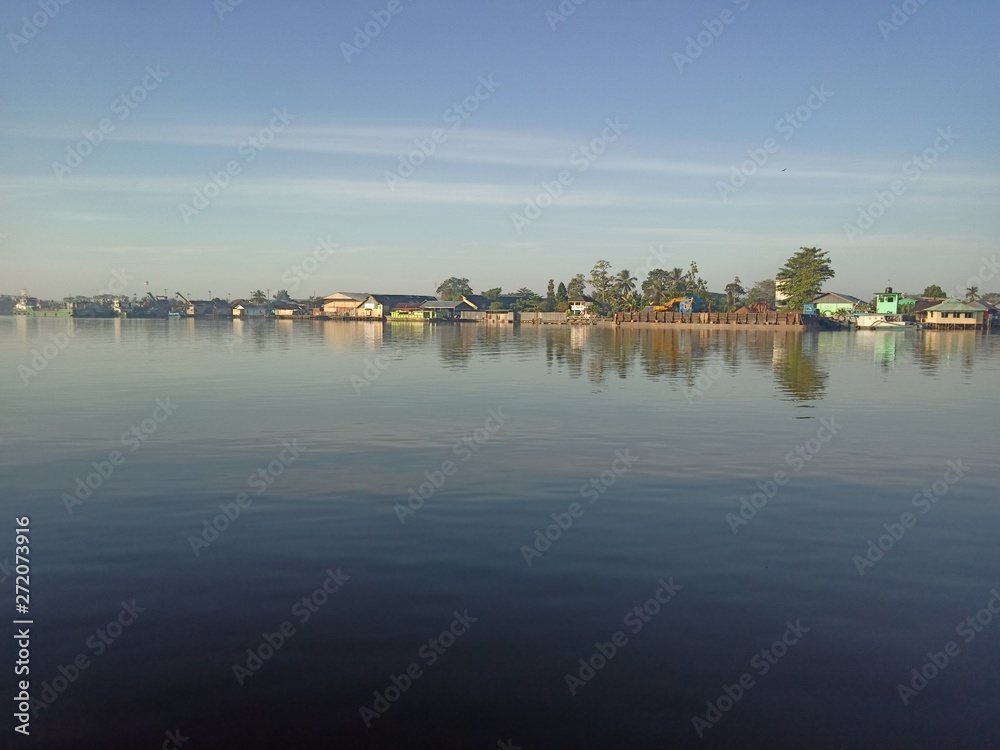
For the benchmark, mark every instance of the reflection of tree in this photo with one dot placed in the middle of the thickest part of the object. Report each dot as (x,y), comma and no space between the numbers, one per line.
(455,343)
(885,349)
(796,368)
(666,352)
(617,355)
(682,355)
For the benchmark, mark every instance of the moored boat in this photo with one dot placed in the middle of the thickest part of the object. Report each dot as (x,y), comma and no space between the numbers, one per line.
(28,305)
(874,321)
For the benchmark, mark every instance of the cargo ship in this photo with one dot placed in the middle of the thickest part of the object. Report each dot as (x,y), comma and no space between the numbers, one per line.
(27,305)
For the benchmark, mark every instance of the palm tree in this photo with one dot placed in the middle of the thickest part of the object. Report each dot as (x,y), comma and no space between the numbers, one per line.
(632,300)
(972,291)
(675,282)
(654,289)
(258,297)
(625,282)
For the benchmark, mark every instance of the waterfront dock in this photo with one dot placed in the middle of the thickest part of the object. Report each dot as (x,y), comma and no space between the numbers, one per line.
(791,320)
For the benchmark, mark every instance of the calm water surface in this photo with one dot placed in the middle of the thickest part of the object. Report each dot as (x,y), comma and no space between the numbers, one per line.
(643,444)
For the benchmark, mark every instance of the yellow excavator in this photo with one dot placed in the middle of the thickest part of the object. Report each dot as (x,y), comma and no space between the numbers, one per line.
(690,303)
(669,305)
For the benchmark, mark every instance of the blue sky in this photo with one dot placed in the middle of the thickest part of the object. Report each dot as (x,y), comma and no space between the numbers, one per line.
(674,181)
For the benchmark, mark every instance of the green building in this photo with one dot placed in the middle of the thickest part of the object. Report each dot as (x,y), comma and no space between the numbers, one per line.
(830,303)
(887,302)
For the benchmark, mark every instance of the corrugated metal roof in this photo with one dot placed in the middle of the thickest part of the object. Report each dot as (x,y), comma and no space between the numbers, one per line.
(833,297)
(954,305)
(359,296)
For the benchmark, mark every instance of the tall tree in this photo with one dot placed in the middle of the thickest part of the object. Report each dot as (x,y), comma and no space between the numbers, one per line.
(258,297)
(734,290)
(561,294)
(550,295)
(576,287)
(694,284)
(453,288)
(761,291)
(803,275)
(972,291)
(676,284)
(655,287)
(933,291)
(526,299)
(624,282)
(600,279)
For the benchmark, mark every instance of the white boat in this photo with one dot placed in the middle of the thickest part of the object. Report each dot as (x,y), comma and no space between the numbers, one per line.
(873,321)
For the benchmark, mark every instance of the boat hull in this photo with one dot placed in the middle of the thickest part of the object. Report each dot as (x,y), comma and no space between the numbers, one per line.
(881,323)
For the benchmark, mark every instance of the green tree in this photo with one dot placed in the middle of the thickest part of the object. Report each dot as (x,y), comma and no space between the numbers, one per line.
(550,295)
(493,293)
(453,288)
(803,275)
(624,282)
(972,291)
(258,297)
(694,284)
(526,299)
(561,294)
(934,291)
(655,286)
(761,291)
(631,300)
(600,279)
(734,291)
(283,295)
(576,287)
(676,282)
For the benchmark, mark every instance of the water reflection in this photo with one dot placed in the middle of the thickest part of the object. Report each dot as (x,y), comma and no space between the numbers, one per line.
(799,361)
(684,355)
(796,366)
(934,349)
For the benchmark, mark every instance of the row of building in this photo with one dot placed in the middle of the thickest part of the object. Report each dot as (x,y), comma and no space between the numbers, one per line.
(364,305)
(931,312)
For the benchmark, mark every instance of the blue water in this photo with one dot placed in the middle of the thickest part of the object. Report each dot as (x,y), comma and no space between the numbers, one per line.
(643,443)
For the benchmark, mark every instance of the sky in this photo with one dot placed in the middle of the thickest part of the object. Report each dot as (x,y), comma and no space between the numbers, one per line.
(385,145)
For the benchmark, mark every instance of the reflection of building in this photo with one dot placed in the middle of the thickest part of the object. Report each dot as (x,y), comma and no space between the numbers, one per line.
(578,336)
(778,354)
(885,347)
(935,348)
